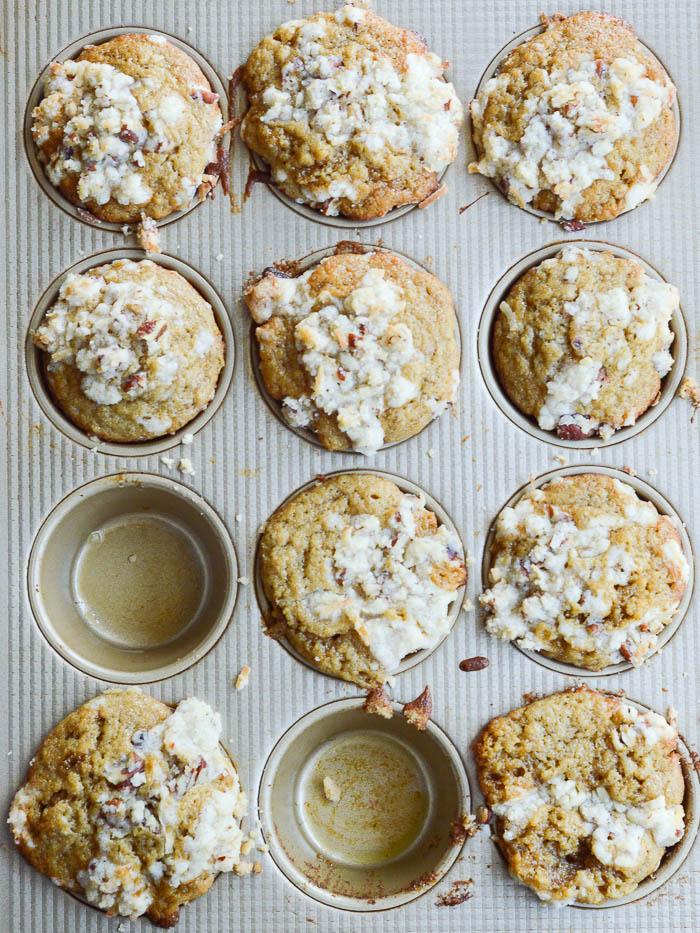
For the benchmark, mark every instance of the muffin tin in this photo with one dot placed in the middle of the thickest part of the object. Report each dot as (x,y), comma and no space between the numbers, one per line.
(247,462)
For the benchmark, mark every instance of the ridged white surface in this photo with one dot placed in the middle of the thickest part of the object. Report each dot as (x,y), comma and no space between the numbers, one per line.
(247,462)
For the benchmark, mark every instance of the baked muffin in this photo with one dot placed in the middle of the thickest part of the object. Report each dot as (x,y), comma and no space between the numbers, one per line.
(581,342)
(128,128)
(131,350)
(359,575)
(132,805)
(578,121)
(350,113)
(584,571)
(586,794)
(360,349)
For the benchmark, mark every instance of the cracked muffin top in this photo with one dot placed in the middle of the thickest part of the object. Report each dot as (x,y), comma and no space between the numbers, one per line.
(584,571)
(350,113)
(586,793)
(360,349)
(128,128)
(581,342)
(578,121)
(359,575)
(131,350)
(132,805)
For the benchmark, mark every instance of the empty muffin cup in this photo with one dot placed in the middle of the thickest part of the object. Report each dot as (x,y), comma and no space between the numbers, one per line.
(493,68)
(71,51)
(132,578)
(359,811)
(412,660)
(46,401)
(299,267)
(648,494)
(669,383)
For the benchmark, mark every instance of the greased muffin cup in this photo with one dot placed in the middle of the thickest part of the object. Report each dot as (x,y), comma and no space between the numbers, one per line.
(492,70)
(71,51)
(298,267)
(669,383)
(405,486)
(49,406)
(323,853)
(674,858)
(645,492)
(132,578)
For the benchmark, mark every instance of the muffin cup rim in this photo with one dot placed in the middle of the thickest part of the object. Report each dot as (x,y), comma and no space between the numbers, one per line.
(493,69)
(406,486)
(158,445)
(266,781)
(35,96)
(648,493)
(527,423)
(40,615)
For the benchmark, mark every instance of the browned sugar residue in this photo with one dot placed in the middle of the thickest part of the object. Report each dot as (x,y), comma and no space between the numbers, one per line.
(471,203)
(457,894)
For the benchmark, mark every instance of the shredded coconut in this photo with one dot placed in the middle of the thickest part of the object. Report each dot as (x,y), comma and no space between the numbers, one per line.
(572,126)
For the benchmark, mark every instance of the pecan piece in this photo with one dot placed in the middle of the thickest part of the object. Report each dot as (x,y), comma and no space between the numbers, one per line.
(379,703)
(574,432)
(417,712)
(626,651)
(572,226)
(127,136)
(474,664)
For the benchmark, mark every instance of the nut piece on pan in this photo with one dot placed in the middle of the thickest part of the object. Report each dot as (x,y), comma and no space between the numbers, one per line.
(379,703)
(417,712)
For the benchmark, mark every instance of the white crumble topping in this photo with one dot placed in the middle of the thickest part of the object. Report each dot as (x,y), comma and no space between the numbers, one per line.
(365,103)
(175,776)
(331,791)
(397,585)
(572,126)
(353,348)
(116,334)
(185,466)
(106,134)
(568,581)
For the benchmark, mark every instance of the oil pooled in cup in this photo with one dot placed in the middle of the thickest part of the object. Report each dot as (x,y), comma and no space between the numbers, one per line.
(139,581)
(383,802)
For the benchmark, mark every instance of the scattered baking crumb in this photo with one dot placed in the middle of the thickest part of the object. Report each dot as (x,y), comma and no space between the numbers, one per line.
(246,846)
(463,828)
(595,452)
(456,895)
(690,389)
(219,257)
(263,847)
(244,581)
(242,679)
(483,815)
(239,517)
(652,472)
(479,487)
(167,461)
(147,235)
(672,716)
(185,466)
(243,868)
(430,452)
(187,438)
(467,605)
(257,868)
(331,791)
(465,438)
(379,703)
(417,712)
(132,558)
(561,458)
(630,471)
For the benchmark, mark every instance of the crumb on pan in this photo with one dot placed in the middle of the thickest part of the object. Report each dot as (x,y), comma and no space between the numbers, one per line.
(417,713)
(379,703)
